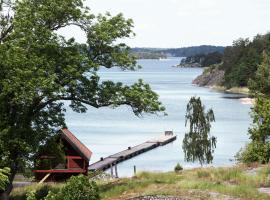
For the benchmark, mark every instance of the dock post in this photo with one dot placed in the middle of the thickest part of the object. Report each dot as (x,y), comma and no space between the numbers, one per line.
(134,170)
(111,170)
(116,173)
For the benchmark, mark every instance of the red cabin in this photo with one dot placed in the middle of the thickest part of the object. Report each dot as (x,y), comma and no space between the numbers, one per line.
(77,157)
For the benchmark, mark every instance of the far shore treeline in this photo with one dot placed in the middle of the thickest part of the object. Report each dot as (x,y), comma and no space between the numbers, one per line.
(235,67)
(156,53)
(231,66)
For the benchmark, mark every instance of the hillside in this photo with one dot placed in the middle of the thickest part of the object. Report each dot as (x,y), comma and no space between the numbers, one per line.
(238,64)
(211,77)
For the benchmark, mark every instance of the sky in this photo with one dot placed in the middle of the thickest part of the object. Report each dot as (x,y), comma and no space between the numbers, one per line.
(181,23)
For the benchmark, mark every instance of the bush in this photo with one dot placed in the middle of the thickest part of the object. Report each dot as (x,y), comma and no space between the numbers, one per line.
(34,191)
(31,195)
(178,168)
(254,152)
(4,173)
(77,188)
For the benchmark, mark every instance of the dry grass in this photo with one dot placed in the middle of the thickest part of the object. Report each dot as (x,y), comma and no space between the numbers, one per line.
(224,181)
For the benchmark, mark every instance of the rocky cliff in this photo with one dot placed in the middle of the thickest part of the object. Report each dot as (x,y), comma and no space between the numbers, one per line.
(210,77)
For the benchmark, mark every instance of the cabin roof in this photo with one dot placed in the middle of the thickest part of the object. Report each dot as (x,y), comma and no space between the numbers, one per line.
(76,144)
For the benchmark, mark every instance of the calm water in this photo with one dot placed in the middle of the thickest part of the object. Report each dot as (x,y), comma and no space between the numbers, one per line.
(106,131)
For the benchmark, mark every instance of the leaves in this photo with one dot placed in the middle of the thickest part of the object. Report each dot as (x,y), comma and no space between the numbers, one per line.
(40,70)
(241,60)
(260,85)
(77,187)
(197,143)
(4,178)
(258,150)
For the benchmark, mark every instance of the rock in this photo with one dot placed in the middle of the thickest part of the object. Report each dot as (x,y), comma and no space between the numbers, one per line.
(253,171)
(157,197)
(193,194)
(189,65)
(213,77)
(265,190)
(101,176)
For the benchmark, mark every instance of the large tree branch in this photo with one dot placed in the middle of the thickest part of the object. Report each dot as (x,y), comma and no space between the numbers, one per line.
(5,33)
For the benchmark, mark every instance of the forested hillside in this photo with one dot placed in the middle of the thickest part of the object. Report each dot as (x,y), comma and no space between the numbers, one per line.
(239,62)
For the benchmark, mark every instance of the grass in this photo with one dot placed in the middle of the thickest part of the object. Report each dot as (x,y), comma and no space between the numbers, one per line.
(191,184)
(225,181)
(42,190)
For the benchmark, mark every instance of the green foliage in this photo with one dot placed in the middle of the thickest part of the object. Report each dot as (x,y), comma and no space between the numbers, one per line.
(260,131)
(31,195)
(229,181)
(40,70)
(260,84)
(77,188)
(202,60)
(4,180)
(254,152)
(241,60)
(198,144)
(259,148)
(178,168)
(54,149)
(36,191)
(212,59)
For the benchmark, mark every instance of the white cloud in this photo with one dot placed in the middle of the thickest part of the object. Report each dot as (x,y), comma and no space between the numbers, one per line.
(171,23)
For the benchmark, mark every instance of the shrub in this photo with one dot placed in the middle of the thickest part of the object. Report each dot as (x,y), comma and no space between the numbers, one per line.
(77,188)
(34,191)
(31,195)
(178,168)
(4,173)
(254,152)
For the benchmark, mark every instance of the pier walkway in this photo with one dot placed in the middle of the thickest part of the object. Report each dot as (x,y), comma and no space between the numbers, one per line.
(105,163)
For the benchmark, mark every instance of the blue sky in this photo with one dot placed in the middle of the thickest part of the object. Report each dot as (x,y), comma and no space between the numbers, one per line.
(179,23)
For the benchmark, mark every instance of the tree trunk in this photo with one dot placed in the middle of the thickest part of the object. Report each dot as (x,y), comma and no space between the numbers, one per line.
(4,196)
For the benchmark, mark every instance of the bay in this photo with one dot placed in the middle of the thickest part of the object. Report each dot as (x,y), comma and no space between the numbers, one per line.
(106,131)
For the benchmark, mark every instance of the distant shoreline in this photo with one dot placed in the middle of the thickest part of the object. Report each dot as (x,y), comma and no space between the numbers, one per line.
(233,90)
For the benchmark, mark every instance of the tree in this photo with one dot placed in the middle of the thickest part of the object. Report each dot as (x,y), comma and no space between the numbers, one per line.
(77,187)
(198,144)
(40,70)
(258,150)
(241,60)
(5,18)
(4,173)
(260,84)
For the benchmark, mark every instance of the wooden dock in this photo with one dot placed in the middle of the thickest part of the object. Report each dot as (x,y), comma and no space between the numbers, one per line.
(105,163)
